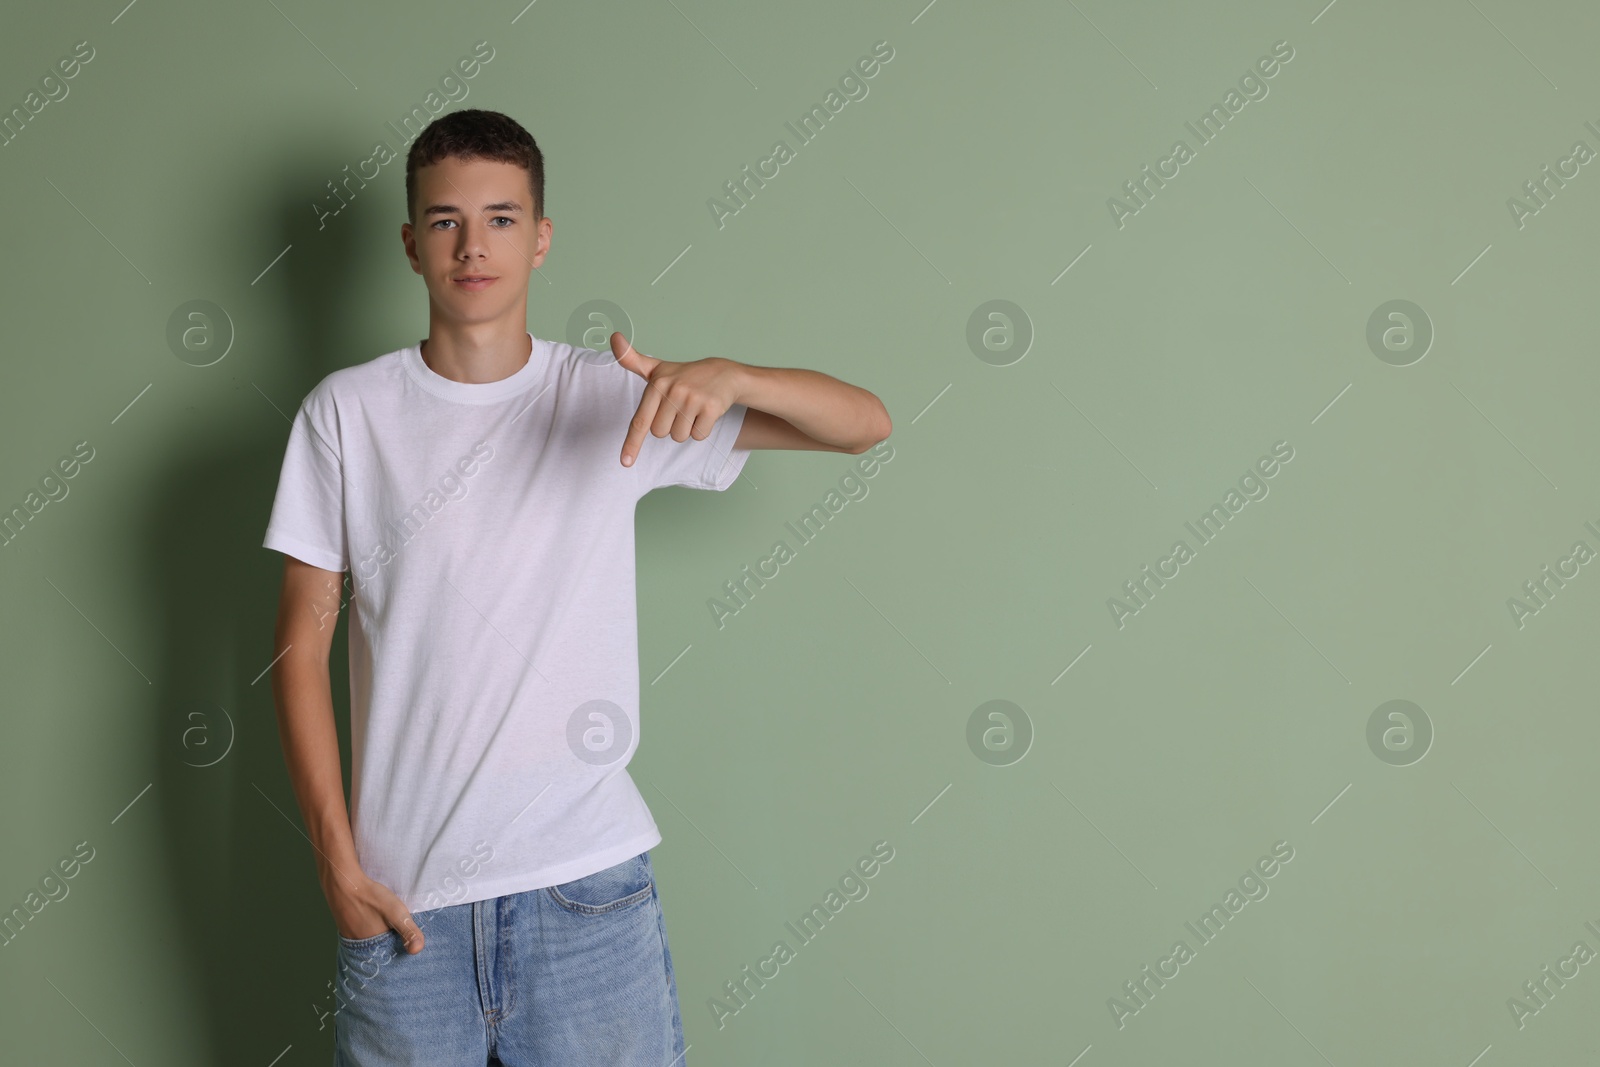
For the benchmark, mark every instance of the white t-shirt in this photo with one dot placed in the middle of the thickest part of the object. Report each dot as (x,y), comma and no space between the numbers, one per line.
(494,674)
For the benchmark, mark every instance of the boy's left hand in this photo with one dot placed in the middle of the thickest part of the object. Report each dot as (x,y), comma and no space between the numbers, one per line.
(680,399)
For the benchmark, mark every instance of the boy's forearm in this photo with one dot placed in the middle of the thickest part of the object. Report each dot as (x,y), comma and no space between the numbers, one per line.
(816,404)
(303,693)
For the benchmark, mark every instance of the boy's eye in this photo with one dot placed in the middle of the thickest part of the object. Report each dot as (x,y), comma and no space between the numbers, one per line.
(497,218)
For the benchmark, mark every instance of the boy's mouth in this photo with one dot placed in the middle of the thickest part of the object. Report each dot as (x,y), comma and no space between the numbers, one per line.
(474,282)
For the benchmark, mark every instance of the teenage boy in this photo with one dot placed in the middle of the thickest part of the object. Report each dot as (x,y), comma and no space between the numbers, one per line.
(480,487)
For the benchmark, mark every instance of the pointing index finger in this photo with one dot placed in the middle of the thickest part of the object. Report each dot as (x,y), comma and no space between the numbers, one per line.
(642,419)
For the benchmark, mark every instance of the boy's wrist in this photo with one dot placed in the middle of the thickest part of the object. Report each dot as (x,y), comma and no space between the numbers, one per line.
(340,870)
(746,381)
(334,847)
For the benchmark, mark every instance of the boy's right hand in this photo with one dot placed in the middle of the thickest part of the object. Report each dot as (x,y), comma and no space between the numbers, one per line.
(363,908)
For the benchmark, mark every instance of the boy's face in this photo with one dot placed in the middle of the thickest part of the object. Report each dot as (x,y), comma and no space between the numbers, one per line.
(475,220)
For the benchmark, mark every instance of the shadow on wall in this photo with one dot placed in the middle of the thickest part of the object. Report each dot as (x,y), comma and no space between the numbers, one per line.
(256,931)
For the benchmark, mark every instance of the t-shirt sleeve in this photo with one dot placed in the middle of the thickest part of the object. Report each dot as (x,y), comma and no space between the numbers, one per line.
(308,512)
(709,464)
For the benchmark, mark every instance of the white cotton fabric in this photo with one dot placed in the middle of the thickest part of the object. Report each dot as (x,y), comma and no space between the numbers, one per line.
(494,677)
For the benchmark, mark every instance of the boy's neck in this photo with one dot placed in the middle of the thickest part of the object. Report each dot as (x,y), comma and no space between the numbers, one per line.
(476,354)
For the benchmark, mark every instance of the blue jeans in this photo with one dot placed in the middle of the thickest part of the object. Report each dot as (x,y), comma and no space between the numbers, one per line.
(571,975)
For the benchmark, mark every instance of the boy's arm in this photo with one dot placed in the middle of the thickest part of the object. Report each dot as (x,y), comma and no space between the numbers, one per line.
(308,610)
(806,409)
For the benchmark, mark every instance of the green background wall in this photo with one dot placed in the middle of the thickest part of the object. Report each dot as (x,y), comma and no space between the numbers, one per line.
(1440,859)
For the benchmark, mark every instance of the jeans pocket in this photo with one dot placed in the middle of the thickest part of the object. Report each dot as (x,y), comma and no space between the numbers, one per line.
(629,882)
(365,944)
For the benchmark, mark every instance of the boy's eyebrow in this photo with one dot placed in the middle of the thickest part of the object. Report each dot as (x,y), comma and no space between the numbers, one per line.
(451,209)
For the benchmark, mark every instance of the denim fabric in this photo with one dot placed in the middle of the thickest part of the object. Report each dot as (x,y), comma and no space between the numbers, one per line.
(571,975)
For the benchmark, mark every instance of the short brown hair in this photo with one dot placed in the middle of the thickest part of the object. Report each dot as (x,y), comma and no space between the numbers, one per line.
(475,134)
